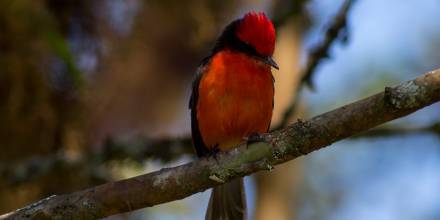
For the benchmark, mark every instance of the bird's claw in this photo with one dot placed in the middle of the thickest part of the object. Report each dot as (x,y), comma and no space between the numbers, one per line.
(253,138)
(214,152)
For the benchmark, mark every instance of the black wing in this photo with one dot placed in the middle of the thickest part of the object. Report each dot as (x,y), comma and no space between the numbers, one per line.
(198,143)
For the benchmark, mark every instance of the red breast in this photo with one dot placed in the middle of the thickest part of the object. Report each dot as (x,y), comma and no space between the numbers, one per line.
(235,99)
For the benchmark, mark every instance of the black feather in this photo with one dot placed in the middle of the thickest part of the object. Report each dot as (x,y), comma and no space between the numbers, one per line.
(227,202)
(198,143)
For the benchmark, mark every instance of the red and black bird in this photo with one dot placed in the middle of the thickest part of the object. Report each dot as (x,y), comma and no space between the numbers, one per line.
(232,98)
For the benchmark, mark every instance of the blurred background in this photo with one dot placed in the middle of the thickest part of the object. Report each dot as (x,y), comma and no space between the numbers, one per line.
(94,91)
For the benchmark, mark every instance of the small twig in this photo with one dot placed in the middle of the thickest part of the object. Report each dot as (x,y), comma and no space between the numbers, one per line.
(338,26)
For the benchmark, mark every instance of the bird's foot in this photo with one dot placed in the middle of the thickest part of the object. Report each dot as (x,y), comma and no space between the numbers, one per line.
(254,137)
(214,152)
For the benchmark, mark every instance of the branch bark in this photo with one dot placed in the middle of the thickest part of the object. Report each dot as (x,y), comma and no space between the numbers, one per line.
(280,146)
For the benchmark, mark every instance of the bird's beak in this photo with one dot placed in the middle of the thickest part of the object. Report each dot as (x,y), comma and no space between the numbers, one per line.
(271,61)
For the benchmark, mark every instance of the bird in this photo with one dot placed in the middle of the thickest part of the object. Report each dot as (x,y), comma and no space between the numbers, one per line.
(232,98)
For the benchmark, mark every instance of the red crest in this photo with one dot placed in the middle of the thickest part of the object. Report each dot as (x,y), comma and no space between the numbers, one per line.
(258,31)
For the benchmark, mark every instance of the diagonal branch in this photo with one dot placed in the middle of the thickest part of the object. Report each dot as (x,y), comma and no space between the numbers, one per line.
(298,139)
(336,28)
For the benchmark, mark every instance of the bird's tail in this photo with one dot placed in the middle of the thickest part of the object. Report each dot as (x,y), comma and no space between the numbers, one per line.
(227,202)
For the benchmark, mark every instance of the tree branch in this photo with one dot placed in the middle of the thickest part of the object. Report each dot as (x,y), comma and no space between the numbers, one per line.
(338,26)
(298,139)
(138,149)
(13,173)
(141,148)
